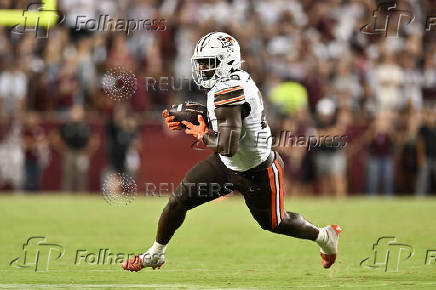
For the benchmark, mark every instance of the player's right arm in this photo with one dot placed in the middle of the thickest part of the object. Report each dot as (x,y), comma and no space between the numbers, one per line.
(229,123)
(228,107)
(228,102)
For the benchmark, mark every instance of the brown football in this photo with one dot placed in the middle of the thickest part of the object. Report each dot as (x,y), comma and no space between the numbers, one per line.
(189,111)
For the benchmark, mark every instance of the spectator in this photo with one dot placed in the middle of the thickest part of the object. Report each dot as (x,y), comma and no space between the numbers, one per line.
(13,90)
(122,134)
(388,77)
(75,143)
(330,158)
(68,87)
(426,152)
(85,67)
(412,87)
(297,155)
(11,157)
(381,139)
(429,75)
(35,152)
(406,177)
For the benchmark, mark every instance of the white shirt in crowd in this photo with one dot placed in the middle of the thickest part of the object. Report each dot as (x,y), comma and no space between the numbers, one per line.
(13,88)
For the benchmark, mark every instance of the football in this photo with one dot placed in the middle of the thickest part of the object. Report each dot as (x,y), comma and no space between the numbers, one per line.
(189,111)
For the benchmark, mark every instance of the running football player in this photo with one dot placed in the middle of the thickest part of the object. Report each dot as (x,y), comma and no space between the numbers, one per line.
(243,159)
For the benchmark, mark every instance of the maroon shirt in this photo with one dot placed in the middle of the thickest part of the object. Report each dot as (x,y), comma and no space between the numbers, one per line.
(30,135)
(381,145)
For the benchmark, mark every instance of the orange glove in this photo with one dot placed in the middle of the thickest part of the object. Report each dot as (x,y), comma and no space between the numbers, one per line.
(168,121)
(197,131)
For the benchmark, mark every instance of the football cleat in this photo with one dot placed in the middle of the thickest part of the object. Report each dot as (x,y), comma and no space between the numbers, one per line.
(137,263)
(329,250)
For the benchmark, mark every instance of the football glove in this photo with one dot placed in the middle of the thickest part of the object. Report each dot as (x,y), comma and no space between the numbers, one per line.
(169,121)
(197,131)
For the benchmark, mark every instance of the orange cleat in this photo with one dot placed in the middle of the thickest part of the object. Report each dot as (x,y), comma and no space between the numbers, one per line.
(329,251)
(133,265)
(137,263)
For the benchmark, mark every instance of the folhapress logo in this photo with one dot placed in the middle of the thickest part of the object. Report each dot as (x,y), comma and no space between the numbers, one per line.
(37,18)
(38,254)
(388,254)
(387,20)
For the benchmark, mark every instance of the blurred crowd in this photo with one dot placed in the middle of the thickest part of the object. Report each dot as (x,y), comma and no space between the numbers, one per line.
(319,74)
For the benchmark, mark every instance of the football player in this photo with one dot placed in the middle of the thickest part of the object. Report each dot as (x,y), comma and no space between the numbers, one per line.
(243,159)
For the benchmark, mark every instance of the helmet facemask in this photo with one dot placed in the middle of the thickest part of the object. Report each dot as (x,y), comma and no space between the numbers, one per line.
(205,70)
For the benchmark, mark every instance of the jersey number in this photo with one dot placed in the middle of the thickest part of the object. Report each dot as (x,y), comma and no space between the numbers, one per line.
(263,122)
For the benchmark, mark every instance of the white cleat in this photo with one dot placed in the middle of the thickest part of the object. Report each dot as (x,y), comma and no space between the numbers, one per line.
(329,249)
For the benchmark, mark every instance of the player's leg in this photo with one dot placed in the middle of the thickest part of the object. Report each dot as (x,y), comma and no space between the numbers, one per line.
(205,182)
(263,193)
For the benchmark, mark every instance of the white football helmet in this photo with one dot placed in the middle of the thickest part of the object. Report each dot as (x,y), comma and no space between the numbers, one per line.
(215,56)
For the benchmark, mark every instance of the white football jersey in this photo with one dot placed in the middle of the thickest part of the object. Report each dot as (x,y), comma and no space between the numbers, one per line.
(255,141)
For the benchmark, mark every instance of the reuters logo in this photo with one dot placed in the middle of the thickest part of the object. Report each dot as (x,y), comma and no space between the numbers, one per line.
(119,84)
(119,189)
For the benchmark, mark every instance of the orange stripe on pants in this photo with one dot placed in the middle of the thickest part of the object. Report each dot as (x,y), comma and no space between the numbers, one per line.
(282,202)
(273,197)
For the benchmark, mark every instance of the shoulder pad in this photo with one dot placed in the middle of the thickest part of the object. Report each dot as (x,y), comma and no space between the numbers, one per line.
(240,75)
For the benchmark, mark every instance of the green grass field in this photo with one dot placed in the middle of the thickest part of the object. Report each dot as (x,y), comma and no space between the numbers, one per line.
(219,246)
